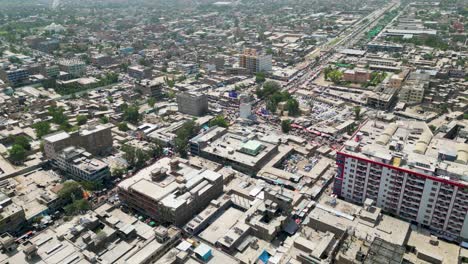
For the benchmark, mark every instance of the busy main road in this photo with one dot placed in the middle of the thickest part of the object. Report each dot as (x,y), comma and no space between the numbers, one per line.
(319,58)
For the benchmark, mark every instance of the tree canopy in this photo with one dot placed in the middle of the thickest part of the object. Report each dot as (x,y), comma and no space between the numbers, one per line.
(42,128)
(219,121)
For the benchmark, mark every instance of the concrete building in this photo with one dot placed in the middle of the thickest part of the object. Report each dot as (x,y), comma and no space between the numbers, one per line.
(74,67)
(171,191)
(95,139)
(245,110)
(244,153)
(101,60)
(14,76)
(195,104)
(52,71)
(382,97)
(80,165)
(412,92)
(255,62)
(357,75)
(48,46)
(139,72)
(409,173)
(382,46)
(11,215)
(397,80)
(151,88)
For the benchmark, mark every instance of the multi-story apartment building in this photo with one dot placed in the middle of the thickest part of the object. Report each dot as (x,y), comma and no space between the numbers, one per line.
(12,216)
(95,139)
(195,104)
(357,75)
(48,46)
(255,62)
(410,173)
(151,88)
(412,92)
(101,60)
(52,71)
(14,76)
(79,165)
(171,191)
(140,72)
(75,67)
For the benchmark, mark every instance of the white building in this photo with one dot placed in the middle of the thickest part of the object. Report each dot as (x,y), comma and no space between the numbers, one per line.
(409,173)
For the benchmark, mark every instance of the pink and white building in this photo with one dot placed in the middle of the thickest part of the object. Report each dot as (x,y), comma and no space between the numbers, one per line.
(410,173)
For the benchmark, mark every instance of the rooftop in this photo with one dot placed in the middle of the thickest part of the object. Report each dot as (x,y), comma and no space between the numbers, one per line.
(411,145)
(172,186)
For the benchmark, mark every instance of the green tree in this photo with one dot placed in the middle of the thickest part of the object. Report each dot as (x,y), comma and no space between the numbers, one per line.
(92,185)
(260,77)
(335,76)
(219,121)
(81,119)
(131,114)
(118,172)
(42,129)
(271,106)
(357,112)
(151,101)
(22,141)
(188,130)
(71,191)
(286,126)
(17,153)
(77,206)
(58,116)
(104,120)
(123,126)
(292,107)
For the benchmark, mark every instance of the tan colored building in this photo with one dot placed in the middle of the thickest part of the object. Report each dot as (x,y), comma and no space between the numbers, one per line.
(95,139)
(412,92)
(255,62)
(171,191)
(357,75)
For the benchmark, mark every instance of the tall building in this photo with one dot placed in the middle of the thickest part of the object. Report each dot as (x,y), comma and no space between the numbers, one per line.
(140,72)
(151,88)
(171,191)
(80,165)
(357,75)
(12,216)
(255,62)
(412,92)
(410,173)
(101,60)
(195,104)
(74,67)
(14,76)
(95,139)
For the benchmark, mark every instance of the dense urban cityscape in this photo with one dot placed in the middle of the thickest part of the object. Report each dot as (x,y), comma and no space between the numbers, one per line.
(233,131)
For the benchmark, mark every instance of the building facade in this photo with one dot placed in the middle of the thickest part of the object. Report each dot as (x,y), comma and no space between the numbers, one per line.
(96,140)
(409,173)
(255,62)
(14,76)
(76,68)
(171,191)
(192,104)
(79,165)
